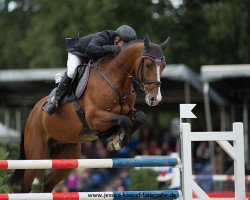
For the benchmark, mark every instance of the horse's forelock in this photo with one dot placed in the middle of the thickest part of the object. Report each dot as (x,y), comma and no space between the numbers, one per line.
(153,49)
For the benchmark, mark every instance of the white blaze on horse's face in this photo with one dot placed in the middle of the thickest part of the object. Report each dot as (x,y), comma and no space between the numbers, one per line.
(153,91)
(158,97)
(151,78)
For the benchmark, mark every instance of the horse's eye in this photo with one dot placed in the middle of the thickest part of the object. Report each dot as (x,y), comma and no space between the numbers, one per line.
(148,65)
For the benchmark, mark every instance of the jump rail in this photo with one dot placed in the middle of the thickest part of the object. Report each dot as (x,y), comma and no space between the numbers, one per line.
(162,194)
(90,163)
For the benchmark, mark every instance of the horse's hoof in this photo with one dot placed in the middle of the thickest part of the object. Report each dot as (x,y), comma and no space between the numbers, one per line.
(115,142)
(110,146)
(113,146)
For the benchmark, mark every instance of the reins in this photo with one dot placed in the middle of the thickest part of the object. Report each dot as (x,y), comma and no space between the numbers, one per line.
(122,98)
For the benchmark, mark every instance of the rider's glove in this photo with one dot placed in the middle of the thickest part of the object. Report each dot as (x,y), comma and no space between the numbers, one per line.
(112,49)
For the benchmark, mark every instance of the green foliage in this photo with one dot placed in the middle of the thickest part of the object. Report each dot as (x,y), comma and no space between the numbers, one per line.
(143,179)
(4,175)
(203,32)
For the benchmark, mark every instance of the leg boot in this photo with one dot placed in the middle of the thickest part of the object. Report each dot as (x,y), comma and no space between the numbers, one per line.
(62,89)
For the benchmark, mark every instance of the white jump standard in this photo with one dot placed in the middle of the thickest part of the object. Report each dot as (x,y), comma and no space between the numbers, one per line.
(235,151)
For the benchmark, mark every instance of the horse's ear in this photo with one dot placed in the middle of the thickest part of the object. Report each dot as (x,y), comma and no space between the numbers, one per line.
(146,41)
(165,43)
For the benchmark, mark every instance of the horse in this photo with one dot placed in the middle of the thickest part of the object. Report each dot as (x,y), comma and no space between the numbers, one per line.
(108,104)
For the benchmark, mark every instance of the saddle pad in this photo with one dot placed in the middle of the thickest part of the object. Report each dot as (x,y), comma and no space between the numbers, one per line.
(81,86)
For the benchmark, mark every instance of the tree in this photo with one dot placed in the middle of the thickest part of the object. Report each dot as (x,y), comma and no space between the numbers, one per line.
(203,32)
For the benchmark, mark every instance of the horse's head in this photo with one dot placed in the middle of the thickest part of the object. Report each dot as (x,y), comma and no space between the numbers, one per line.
(150,70)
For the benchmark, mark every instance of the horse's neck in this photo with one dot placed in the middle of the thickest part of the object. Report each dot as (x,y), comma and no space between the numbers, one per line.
(130,55)
(128,59)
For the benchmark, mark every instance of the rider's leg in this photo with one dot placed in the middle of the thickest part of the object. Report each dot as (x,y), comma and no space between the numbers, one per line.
(64,85)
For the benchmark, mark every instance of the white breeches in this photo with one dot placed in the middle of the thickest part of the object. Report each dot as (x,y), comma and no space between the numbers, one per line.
(72,63)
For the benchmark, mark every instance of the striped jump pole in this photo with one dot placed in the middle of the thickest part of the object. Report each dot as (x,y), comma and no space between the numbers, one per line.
(90,163)
(135,195)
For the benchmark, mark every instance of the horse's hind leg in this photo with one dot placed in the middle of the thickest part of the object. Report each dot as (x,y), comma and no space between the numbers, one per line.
(60,151)
(29,176)
(34,149)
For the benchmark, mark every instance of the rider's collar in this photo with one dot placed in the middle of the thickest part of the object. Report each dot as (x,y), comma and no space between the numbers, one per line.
(157,60)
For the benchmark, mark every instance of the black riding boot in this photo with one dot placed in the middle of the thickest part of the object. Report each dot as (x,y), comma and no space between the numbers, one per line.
(62,89)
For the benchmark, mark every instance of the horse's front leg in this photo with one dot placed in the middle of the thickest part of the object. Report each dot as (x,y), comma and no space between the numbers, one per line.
(108,123)
(138,118)
(122,138)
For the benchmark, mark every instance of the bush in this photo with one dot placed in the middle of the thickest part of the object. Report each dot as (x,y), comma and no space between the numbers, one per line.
(4,174)
(143,179)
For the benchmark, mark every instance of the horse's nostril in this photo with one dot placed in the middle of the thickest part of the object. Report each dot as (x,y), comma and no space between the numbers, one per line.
(153,99)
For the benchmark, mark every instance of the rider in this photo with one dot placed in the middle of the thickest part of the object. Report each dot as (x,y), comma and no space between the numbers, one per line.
(83,49)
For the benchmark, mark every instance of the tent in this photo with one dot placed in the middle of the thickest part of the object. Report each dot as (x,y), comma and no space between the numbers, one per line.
(8,135)
(233,83)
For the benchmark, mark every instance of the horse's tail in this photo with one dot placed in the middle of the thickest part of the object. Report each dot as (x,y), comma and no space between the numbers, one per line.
(17,176)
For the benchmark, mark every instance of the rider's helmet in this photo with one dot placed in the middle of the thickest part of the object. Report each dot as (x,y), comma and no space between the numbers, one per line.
(126,33)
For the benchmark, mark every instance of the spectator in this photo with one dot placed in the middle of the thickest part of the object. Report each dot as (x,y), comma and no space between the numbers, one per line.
(145,135)
(85,182)
(154,148)
(72,181)
(165,149)
(203,166)
(125,178)
(118,186)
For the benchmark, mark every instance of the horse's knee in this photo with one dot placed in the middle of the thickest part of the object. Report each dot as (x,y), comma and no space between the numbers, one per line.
(140,117)
(125,122)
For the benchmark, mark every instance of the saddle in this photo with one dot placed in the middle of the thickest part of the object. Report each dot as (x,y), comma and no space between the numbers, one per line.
(76,90)
(78,85)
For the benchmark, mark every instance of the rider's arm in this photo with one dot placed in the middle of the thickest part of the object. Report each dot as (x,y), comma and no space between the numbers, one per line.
(100,45)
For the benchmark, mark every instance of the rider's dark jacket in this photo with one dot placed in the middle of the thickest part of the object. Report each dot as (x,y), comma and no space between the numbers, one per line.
(93,46)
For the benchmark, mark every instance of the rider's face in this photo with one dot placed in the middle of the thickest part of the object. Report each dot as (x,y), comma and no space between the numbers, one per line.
(118,41)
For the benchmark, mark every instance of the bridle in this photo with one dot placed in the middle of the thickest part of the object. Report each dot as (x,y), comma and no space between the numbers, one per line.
(157,61)
(143,81)
(135,79)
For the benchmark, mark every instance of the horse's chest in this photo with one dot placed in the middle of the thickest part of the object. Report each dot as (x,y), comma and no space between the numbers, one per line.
(118,108)
(121,107)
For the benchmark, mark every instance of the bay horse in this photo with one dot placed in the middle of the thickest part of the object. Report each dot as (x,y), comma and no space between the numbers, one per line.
(108,104)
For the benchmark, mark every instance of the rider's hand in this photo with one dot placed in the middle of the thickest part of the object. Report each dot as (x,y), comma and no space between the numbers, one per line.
(112,49)
(115,49)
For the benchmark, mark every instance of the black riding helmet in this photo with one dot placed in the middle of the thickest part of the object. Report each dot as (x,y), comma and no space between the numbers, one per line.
(126,33)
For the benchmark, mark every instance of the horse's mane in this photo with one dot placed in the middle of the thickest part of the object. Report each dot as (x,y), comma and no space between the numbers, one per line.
(137,41)
(110,57)
(131,43)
